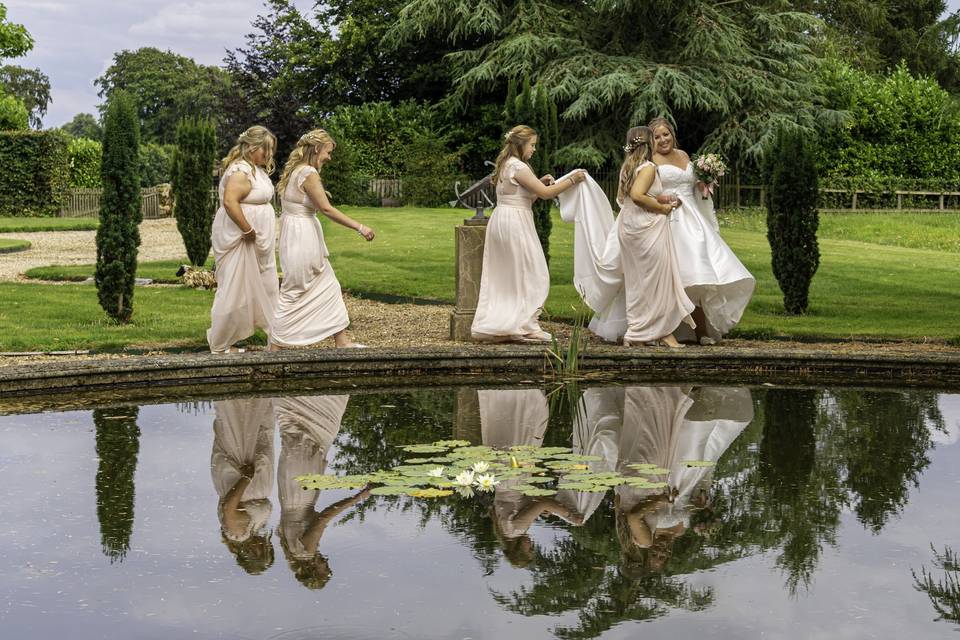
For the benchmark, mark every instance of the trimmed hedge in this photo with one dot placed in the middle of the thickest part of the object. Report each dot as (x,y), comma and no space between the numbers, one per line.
(85,158)
(36,172)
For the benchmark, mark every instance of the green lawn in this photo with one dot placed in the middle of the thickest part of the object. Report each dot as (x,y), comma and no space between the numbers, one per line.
(899,279)
(9,224)
(9,245)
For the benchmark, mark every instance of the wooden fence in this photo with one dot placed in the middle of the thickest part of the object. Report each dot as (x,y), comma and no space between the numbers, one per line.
(85,203)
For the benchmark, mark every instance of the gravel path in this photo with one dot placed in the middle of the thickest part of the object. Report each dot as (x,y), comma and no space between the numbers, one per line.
(159,240)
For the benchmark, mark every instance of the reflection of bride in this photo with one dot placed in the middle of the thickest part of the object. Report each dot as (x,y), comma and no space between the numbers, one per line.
(242,468)
(509,418)
(308,426)
(667,426)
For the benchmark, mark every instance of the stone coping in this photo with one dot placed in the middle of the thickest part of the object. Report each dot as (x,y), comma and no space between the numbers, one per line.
(50,384)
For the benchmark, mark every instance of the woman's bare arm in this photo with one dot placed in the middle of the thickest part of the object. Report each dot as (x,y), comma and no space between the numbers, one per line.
(314,190)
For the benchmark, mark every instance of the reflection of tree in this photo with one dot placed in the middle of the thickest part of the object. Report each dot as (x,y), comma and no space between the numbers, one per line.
(117,445)
(884,439)
(944,593)
(580,574)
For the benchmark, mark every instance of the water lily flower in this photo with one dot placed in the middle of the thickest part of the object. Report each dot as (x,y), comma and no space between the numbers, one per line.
(466,492)
(465,478)
(486,482)
(436,473)
(481,466)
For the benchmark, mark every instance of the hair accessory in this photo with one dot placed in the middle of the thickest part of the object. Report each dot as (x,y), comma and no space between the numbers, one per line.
(633,144)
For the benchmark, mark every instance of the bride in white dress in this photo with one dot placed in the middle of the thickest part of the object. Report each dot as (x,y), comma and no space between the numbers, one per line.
(712,276)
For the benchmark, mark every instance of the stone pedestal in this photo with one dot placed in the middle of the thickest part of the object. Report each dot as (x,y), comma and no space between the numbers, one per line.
(469,257)
(466,420)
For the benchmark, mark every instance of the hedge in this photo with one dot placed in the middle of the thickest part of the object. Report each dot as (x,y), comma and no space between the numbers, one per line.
(85,157)
(36,172)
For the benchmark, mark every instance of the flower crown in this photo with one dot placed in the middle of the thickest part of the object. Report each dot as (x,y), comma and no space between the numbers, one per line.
(633,144)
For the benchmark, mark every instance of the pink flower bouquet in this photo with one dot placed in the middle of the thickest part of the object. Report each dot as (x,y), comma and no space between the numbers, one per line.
(708,167)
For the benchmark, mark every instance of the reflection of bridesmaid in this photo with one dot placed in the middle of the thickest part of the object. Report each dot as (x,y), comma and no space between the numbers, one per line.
(242,468)
(308,426)
(667,426)
(509,418)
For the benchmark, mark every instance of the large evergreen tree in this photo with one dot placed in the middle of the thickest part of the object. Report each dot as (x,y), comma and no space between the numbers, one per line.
(193,164)
(730,73)
(118,236)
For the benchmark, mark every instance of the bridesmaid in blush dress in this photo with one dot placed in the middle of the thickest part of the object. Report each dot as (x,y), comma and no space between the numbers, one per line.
(311,306)
(716,281)
(656,302)
(242,236)
(515,281)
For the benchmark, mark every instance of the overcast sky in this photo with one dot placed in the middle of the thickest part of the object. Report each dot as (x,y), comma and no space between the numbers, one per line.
(76,39)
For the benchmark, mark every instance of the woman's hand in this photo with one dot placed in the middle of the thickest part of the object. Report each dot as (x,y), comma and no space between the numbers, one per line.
(250,235)
(366,232)
(548,180)
(664,198)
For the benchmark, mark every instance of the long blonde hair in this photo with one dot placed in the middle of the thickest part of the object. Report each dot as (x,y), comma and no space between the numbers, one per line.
(303,154)
(660,121)
(249,141)
(638,149)
(512,147)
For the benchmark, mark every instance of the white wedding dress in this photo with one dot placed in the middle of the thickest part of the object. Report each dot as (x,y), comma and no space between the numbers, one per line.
(714,279)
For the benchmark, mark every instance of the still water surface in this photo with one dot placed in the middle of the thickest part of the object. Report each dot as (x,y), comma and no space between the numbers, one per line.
(830,513)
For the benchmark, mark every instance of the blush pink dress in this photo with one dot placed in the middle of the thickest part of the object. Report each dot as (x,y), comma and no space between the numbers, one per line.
(515,281)
(246,272)
(311,304)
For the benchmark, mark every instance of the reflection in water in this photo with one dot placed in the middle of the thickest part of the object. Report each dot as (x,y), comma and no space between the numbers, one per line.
(308,426)
(810,464)
(242,468)
(664,426)
(509,418)
(944,592)
(117,445)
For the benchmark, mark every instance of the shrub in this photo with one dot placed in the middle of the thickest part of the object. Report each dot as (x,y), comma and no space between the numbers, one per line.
(84,158)
(36,173)
(196,153)
(792,219)
(13,114)
(156,163)
(118,236)
(429,172)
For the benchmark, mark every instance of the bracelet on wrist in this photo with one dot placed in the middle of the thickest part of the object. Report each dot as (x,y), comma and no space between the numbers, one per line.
(248,231)
(360,230)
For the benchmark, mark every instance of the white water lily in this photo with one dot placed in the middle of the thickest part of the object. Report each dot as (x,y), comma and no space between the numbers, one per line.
(464,478)
(481,466)
(486,482)
(436,473)
(465,492)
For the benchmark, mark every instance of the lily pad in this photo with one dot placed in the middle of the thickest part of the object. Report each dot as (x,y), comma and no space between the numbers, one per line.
(577,486)
(451,443)
(430,493)
(576,457)
(424,448)
(539,480)
(649,469)
(537,491)
(389,491)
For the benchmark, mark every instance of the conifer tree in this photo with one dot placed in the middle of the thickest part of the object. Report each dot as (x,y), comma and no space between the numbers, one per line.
(193,163)
(730,73)
(118,236)
(792,218)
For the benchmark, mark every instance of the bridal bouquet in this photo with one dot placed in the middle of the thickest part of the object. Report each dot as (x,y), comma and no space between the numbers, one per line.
(708,167)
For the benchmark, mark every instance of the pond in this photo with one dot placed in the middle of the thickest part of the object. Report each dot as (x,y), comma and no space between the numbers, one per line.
(777,512)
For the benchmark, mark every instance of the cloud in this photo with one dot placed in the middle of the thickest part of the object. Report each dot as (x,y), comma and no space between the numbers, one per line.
(195,21)
(37,5)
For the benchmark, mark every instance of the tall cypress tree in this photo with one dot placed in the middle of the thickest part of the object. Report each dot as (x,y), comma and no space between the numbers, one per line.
(118,443)
(193,164)
(534,108)
(792,218)
(118,236)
